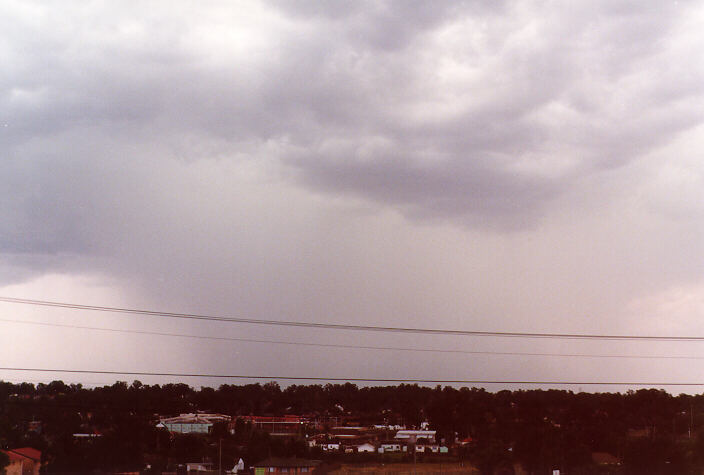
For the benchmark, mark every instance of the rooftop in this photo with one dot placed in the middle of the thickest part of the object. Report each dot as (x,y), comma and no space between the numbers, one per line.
(24,453)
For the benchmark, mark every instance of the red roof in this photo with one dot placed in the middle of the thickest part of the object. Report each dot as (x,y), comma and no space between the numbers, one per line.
(24,453)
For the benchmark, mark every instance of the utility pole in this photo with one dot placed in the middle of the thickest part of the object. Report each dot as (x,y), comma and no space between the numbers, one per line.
(414,457)
(220,455)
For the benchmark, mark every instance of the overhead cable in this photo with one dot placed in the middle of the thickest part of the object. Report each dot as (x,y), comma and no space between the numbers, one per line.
(342,346)
(368,380)
(339,326)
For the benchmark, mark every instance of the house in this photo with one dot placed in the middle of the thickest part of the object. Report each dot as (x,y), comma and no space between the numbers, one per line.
(287,426)
(366,447)
(349,432)
(87,435)
(199,467)
(198,423)
(388,427)
(291,466)
(391,446)
(331,446)
(410,436)
(430,448)
(23,461)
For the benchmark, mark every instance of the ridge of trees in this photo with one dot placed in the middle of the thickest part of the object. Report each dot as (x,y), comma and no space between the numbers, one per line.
(540,429)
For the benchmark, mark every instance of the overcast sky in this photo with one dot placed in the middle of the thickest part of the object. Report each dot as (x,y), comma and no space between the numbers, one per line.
(500,166)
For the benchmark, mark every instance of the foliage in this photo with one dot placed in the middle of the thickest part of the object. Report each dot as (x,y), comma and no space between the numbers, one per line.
(542,430)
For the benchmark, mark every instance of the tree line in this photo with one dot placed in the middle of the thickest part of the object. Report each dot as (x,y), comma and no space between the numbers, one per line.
(648,430)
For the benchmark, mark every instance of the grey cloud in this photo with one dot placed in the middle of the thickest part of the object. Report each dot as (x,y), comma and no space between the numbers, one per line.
(342,162)
(468,188)
(601,67)
(578,84)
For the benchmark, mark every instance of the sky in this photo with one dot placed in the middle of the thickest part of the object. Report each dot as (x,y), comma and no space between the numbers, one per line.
(527,166)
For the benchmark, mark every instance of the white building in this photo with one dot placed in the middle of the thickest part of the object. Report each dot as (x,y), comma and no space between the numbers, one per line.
(331,446)
(366,447)
(198,423)
(386,447)
(411,436)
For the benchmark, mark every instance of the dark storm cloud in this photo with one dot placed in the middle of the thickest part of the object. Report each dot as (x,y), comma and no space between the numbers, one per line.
(452,191)
(581,85)
(482,113)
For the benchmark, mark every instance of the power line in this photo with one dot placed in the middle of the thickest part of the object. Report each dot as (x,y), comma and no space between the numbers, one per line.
(336,326)
(368,380)
(356,347)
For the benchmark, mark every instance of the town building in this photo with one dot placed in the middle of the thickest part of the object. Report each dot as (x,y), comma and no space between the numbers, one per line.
(287,426)
(331,446)
(199,467)
(23,461)
(430,448)
(365,448)
(198,423)
(411,436)
(391,446)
